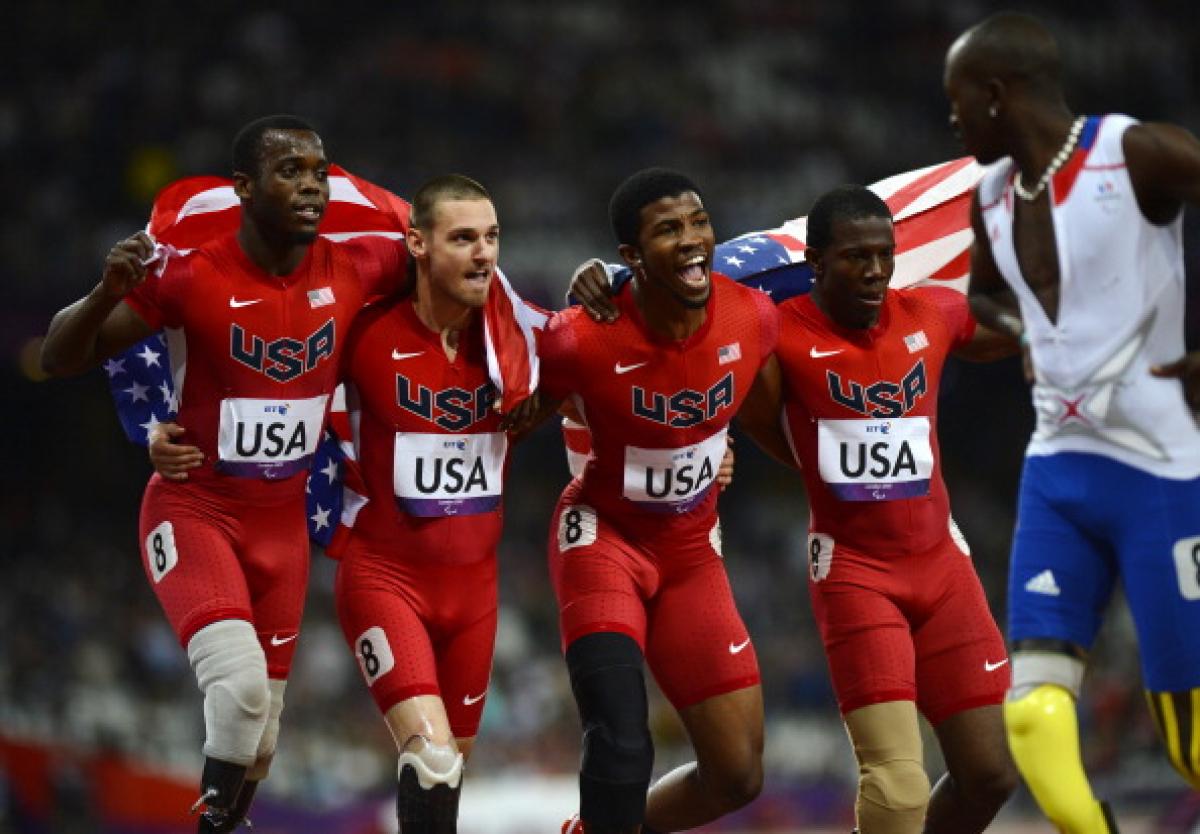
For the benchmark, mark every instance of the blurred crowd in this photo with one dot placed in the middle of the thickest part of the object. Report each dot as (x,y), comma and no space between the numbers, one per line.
(550,104)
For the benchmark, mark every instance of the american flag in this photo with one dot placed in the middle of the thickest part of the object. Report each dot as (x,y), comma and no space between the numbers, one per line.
(191,211)
(931,209)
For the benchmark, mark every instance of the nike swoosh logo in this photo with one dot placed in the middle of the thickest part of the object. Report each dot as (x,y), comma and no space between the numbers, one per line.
(233,302)
(469,701)
(624,369)
(276,640)
(988,666)
(817,354)
(398,355)
(734,648)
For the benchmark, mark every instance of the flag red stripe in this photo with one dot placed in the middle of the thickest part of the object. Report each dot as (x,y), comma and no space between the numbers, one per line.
(917,188)
(937,222)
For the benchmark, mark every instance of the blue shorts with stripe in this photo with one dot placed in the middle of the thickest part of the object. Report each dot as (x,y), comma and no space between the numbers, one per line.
(1083,522)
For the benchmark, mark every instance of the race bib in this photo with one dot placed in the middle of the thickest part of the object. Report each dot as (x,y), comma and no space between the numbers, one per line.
(269,438)
(672,480)
(875,460)
(449,474)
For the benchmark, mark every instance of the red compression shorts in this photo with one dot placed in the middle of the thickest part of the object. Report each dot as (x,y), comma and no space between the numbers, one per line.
(420,628)
(914,627)
(672,597)
(212,557)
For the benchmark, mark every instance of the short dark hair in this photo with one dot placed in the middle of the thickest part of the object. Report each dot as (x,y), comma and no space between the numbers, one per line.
(639,191)
(445,187)
(1013,45)
(247,144)
(843,202)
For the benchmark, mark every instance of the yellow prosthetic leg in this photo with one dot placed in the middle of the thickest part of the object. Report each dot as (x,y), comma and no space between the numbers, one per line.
(1043,734)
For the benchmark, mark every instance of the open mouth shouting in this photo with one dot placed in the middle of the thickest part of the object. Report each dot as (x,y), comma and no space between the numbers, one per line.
(694,273)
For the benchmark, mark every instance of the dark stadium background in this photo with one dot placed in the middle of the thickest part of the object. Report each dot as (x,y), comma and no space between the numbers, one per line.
(550,104)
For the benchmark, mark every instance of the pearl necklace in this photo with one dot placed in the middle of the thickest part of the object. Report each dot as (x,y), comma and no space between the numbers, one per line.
(1060,159)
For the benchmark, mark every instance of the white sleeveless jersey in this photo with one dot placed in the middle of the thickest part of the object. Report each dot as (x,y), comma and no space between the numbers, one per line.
(1120,311)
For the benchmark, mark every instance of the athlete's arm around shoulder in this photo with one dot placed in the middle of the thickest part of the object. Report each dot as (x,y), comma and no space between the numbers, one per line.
(761,413)
(1164,166)
(100,324)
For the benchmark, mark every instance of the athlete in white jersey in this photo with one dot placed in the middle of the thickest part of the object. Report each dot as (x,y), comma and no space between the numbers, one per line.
(1078,226)
(1120,310)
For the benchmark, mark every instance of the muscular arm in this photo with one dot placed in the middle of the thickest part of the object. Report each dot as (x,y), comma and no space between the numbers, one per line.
(988,345)
(99,325)
(761,411)
(1164,167)
(992,302)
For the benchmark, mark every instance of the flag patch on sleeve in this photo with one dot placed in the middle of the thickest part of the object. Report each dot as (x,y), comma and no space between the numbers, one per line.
(322,297)
(916,341)
(729,353)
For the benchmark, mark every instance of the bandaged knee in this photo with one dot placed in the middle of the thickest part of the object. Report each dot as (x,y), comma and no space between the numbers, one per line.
(231,671)
(894,794)
(893,788)
(429,781)
(270,736)
(618,752)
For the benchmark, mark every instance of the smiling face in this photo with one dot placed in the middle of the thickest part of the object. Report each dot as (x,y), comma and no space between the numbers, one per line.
(287,196)
(457,254)
(674,249)
(853,271)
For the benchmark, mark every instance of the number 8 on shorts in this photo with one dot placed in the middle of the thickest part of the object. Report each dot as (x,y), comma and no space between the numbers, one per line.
(160,551)
(576,527)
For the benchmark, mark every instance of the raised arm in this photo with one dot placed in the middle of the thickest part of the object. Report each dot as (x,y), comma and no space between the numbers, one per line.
(99,325)
(761,413)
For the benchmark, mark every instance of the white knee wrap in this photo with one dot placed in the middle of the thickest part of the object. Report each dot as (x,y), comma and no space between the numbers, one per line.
(231,671)
(270,736)
(1032,669)
(434,764)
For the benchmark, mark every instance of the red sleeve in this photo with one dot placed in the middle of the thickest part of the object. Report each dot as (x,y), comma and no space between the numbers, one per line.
(556,350)
(152,299)
(768,316)
(382,264)
(955,312)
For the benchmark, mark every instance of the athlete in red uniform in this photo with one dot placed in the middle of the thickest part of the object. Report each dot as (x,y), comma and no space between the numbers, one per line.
(255,324)
(635,544)
(903,617)
(416,586)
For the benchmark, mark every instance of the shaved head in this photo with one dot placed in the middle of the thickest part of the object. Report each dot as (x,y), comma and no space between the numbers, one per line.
(1012,47)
